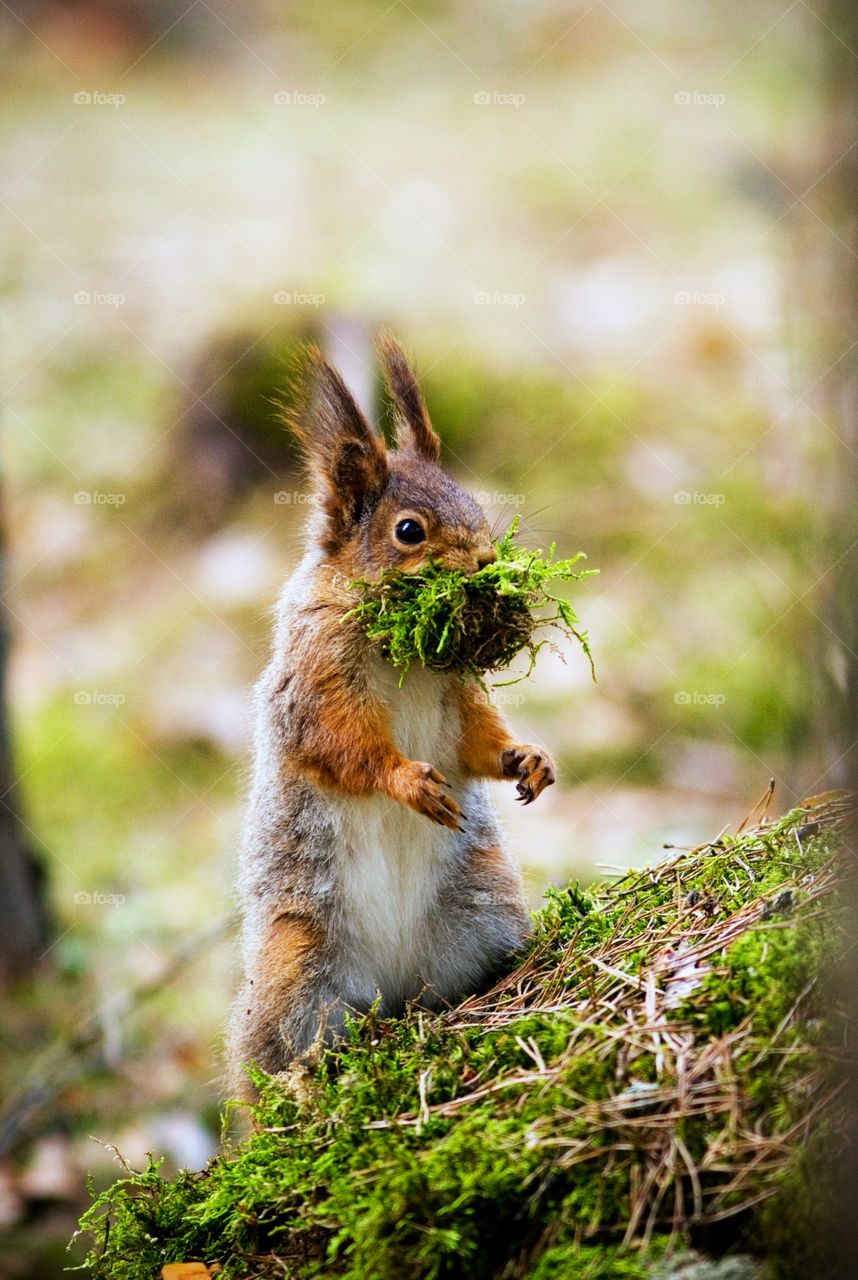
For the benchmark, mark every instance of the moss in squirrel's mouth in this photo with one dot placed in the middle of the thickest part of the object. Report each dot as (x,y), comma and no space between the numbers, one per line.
(449,620)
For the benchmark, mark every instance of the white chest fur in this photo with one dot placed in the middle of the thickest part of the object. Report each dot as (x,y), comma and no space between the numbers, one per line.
(393,860)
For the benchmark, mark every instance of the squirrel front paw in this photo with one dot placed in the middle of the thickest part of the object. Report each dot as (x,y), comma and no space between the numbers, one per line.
(418,785)
(533,768)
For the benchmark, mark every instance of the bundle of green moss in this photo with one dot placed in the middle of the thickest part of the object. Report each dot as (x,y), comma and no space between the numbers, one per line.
(450,620)
(655,1074)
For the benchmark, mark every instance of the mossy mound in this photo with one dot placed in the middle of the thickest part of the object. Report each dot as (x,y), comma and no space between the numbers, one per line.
(450,620)
(653,1074)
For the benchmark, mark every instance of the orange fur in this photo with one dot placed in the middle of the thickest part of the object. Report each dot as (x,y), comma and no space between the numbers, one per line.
(283,969)
(487,748)
(484,733)
(345,741)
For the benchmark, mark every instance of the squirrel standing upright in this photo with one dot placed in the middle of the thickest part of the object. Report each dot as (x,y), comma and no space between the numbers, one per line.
(373,866)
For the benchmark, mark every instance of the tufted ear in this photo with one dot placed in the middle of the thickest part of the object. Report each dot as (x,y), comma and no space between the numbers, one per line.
(347,458)
(414,431)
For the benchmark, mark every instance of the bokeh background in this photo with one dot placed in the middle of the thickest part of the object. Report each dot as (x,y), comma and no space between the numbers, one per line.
(613,236)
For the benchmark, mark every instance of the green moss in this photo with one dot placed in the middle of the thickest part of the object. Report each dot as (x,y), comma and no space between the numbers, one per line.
(450,620)
(572,1261)
(563,1125)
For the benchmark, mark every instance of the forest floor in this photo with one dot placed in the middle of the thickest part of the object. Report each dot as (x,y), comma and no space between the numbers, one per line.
(656,1076)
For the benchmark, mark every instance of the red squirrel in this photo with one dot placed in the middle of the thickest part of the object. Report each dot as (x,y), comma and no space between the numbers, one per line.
(373,866)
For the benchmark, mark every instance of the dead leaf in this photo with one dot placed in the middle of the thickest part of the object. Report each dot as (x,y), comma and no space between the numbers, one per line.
(185,1271)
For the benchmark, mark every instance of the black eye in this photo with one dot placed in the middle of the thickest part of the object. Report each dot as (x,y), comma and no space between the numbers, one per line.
(410,532)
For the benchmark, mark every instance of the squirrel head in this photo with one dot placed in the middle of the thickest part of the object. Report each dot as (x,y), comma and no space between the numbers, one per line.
(381,508)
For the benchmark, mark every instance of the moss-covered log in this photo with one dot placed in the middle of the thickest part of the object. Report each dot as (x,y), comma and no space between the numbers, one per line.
(658,1072)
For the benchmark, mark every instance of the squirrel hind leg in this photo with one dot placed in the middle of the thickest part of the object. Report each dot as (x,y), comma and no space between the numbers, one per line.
(285,1008)
(490,897)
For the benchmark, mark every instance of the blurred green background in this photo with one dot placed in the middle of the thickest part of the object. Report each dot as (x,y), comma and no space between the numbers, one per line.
(595,227)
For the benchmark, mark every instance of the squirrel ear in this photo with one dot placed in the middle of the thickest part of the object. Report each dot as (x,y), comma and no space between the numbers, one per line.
(346,456)
(414,431)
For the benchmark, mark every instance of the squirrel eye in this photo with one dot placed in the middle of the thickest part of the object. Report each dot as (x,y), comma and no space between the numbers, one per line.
(410,532)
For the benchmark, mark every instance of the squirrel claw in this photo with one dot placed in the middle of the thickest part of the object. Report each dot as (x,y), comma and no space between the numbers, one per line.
(533,769)
(421,788)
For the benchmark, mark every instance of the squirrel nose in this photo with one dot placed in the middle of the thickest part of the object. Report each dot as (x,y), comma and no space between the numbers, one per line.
(487,556)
